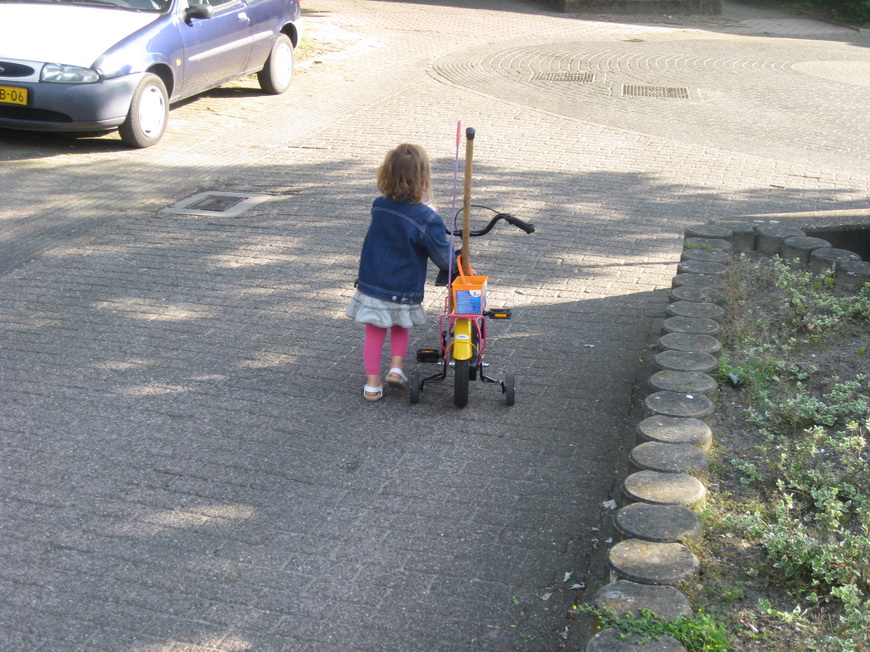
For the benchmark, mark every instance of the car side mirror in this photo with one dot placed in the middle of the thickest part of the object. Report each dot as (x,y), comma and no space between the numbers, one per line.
(202,12)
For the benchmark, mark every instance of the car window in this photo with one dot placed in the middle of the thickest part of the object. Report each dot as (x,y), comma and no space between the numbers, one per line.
(141,5)
(150,5)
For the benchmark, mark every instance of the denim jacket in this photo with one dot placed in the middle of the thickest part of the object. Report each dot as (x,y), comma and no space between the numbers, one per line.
(401,238)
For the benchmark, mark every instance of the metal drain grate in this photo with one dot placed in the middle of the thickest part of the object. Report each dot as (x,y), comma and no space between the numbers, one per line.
(564,76)
(216,203)
(656,91)
(225,204)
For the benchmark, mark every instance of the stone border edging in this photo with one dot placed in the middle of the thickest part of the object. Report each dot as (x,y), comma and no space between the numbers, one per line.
(657,509)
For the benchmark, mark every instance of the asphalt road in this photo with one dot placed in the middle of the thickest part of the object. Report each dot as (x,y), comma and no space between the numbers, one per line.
(188,461)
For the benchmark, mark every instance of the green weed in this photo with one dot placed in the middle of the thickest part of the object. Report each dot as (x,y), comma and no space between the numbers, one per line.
(810,511)
(700,632)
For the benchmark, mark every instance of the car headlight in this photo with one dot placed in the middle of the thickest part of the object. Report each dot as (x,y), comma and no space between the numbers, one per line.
(62,74)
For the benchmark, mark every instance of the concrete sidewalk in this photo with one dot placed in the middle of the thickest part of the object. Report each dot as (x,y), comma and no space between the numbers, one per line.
(188,461)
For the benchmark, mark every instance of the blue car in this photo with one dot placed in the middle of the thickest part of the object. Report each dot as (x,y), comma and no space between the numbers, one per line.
(99,65)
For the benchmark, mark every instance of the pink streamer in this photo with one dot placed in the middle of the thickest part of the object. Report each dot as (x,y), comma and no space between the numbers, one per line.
(453,205)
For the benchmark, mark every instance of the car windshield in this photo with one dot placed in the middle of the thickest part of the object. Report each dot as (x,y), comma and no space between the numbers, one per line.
(137,5)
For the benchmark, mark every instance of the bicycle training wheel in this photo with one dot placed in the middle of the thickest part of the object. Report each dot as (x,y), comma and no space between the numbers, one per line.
(414,387)
(509,386)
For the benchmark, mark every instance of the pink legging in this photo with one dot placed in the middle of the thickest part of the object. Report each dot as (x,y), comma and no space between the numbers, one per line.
(373,346)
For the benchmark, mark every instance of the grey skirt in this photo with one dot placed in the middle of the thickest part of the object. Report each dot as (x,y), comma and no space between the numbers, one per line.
(368,310)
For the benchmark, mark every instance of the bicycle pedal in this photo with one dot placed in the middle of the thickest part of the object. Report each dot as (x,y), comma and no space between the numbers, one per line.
(504,313)
(429,355)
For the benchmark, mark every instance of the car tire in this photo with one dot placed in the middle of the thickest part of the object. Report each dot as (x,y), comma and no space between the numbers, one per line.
(277,73)
(148,113)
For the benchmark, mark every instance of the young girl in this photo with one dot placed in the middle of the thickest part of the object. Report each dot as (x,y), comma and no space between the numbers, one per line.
(403,235)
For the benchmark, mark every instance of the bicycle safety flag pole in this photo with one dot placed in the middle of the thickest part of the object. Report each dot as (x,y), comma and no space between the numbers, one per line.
(466,206)
(455,177)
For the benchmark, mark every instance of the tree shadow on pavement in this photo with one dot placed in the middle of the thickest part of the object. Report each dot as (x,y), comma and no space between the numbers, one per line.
(191,462)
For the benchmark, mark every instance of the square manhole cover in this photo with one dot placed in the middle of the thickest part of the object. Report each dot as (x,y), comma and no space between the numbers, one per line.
(655,91)
(215,203)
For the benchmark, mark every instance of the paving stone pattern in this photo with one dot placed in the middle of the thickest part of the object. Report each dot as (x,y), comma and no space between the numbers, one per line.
(188,462)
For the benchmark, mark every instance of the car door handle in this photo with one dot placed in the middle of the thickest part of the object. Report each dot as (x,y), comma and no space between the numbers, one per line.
(243,17)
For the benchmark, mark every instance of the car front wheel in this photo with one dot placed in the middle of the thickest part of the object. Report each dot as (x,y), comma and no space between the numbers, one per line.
(148,113)
(275,76)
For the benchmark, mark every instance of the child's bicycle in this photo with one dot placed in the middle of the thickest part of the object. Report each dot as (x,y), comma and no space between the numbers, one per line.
(463,331)
(463,324)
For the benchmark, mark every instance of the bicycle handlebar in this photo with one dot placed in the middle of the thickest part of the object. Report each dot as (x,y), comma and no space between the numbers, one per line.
(507,217)
(517,222)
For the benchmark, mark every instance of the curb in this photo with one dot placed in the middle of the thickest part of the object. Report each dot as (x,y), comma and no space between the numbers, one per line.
(660,498)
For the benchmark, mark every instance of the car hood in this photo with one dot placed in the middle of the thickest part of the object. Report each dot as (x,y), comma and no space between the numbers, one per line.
(61,34)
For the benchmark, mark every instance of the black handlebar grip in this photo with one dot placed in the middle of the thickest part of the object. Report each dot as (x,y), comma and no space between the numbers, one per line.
(520,224)
(469,133)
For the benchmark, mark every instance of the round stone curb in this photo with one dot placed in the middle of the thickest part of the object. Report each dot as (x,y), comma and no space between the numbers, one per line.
(674,404)
(659,523)
(624,597)
(695,309)
(799,248)
(675,430)
(829,258)
(660,488)
(657,501)
(707,231)
(770,238)
(742,236)
(815,254)
(706,256)
(669,458)
(686,361)
(690,342)
(704,295)
(852,274)
(699,267)
(688,382)
(613,640)
(698,281)
(707,243)
(650,562)
(697,325)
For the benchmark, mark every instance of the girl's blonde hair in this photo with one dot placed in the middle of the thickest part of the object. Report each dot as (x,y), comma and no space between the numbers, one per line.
(405,175)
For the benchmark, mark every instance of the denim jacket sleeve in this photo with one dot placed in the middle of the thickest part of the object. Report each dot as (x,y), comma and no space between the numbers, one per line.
(436,243)
(401,239)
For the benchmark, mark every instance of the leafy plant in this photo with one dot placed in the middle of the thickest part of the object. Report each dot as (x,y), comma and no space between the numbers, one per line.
(700,632)
(809,508)
(850,11)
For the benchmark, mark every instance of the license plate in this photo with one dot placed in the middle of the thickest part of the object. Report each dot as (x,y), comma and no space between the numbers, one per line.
(13,95)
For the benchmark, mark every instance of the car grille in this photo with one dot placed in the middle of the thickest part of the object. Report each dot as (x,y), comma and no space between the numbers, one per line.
(10,70)
(36,115)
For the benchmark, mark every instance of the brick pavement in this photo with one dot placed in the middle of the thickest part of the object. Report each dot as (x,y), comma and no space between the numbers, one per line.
(188,464)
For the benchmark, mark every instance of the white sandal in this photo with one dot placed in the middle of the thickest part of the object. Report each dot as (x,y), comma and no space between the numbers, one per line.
(373,393)
(397,378)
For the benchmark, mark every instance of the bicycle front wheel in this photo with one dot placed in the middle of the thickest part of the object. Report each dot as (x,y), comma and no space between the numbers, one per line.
(461,374)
